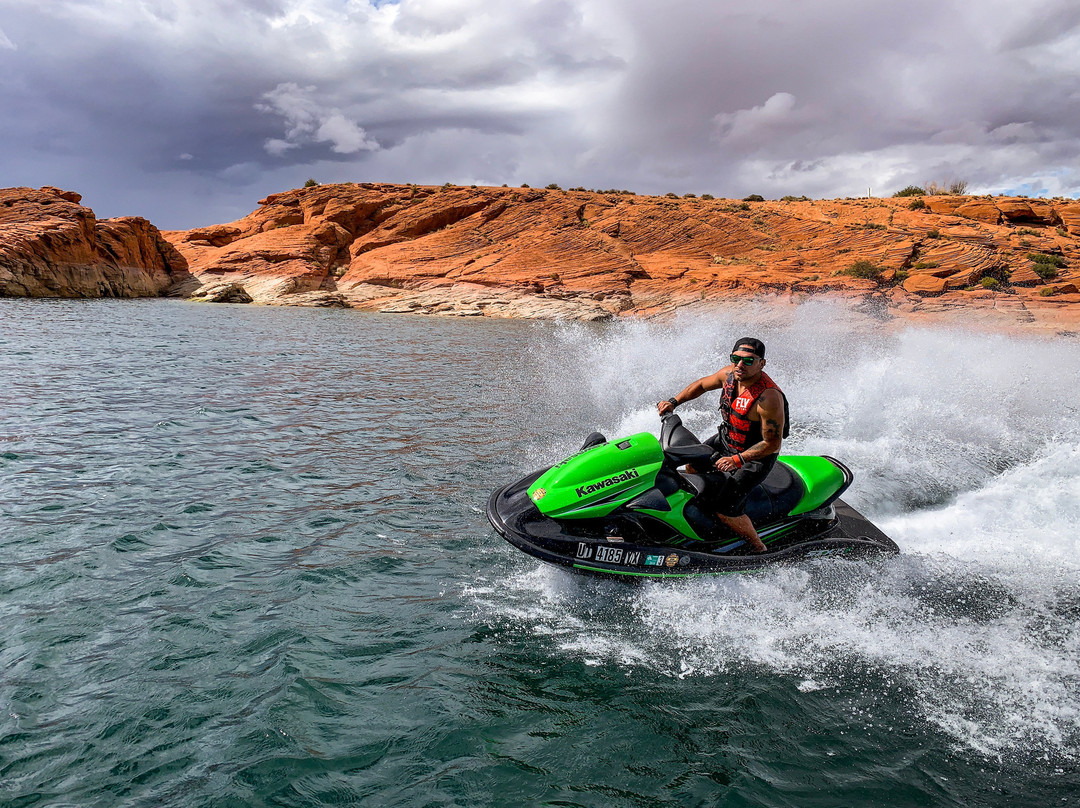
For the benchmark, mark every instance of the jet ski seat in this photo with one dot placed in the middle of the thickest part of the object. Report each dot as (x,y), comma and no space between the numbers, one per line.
(770,500)
(775,496)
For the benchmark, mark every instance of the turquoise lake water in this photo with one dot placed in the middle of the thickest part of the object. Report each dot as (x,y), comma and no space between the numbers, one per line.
(244,561)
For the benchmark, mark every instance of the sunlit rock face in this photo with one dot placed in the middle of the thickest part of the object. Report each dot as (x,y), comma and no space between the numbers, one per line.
(555,254)
(550,253)
(51,246)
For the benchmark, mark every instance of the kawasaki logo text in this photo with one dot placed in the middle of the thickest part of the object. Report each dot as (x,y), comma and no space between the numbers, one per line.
(602,484)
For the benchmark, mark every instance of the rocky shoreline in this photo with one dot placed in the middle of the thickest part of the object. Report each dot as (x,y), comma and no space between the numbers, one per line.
(554,254)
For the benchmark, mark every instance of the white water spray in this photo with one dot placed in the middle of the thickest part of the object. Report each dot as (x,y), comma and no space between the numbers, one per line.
(966,450)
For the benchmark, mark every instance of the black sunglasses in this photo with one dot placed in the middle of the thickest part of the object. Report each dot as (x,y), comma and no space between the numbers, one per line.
(746,360)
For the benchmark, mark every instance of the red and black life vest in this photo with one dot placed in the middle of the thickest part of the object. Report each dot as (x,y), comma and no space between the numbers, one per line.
(737,430)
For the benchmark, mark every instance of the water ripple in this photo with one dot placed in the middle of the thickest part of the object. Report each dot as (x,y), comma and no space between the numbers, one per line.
(243,561)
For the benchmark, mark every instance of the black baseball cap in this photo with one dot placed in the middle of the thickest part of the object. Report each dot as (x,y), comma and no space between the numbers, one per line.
(750,344)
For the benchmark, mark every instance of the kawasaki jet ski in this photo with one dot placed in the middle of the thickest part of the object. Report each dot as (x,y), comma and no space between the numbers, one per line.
(624,507)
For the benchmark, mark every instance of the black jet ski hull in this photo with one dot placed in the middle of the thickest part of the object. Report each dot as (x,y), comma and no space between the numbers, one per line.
(589,546)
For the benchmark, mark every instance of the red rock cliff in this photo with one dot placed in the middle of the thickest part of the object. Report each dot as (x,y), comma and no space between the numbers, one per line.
(51,246)
(549,253)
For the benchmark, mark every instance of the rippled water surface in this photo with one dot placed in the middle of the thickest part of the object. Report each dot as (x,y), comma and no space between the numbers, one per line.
(244,561)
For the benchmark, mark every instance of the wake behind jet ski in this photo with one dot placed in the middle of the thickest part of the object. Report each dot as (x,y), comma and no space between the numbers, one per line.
(624,507)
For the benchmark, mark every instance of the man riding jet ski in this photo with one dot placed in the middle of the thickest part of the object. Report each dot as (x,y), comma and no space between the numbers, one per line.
(624,507)
(755,421)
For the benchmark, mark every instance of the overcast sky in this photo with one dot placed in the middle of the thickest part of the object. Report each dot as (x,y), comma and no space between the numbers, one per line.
(189,111)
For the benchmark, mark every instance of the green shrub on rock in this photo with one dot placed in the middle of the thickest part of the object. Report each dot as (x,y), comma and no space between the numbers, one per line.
(1049,260)
(864,269)
(1046,266)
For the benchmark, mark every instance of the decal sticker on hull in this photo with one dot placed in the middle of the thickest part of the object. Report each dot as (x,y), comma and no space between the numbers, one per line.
(592,488)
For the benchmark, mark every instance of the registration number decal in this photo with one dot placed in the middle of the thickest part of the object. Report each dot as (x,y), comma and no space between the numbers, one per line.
(609,555)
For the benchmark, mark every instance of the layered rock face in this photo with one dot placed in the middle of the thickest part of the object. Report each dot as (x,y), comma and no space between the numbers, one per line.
(523,252)
(51,246)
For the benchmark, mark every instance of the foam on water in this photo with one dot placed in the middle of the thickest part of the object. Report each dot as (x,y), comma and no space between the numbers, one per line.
(966,450)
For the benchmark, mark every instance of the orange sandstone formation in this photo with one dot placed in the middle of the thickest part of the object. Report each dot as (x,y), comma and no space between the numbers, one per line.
(552,253)
(521,252)
(51,246)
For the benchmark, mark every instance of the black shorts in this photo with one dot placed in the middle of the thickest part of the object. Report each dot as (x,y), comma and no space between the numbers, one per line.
(726,491)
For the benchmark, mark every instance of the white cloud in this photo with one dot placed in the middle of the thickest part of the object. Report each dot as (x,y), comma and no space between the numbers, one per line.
(5,43)
(277,147)
(345,135)
(747,127)
(307,120)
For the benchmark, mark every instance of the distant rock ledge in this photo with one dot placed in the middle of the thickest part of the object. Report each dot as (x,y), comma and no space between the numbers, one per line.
(554,254)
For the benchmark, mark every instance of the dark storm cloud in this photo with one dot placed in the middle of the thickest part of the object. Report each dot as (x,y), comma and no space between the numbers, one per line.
(188,110)
(881,92)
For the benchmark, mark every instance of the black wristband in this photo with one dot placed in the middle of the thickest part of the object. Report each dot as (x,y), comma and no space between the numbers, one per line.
(674,402)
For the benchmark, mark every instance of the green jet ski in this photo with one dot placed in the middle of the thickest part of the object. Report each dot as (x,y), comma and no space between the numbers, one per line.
(623,507)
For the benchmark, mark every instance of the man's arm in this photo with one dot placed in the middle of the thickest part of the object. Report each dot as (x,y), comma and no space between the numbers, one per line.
(771,409)
(695,389)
